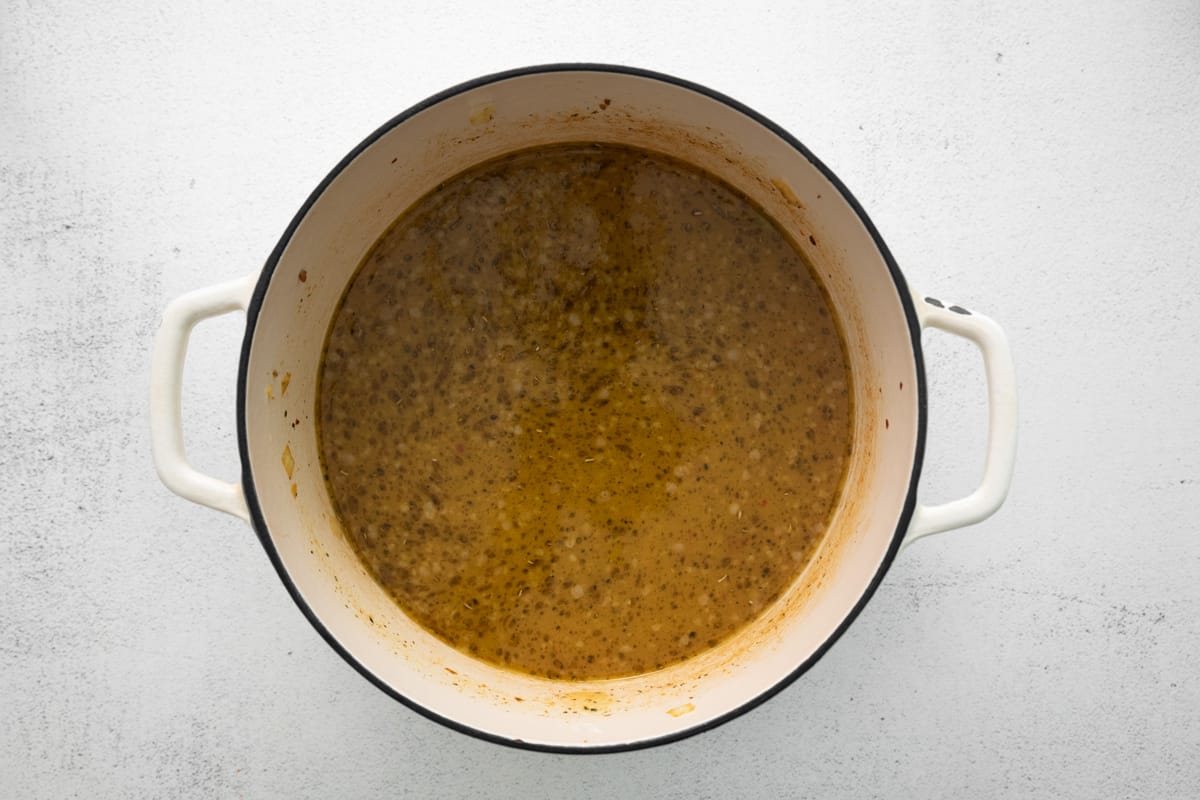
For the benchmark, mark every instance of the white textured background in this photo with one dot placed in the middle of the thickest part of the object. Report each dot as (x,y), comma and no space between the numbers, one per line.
(1037,163)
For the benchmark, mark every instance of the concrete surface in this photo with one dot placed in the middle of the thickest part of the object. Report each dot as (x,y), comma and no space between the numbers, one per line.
(1037,163)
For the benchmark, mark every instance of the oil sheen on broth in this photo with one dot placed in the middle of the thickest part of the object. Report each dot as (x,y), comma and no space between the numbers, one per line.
(584,411)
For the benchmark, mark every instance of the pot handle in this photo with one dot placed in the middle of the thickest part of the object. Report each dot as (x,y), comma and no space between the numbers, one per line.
(1002,420)
(166,383)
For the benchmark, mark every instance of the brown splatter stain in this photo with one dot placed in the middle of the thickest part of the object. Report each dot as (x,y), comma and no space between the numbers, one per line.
(289,462)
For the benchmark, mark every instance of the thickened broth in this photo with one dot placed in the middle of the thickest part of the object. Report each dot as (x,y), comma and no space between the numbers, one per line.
(585,411)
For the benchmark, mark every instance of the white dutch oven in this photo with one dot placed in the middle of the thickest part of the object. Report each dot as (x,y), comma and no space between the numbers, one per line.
(288,309)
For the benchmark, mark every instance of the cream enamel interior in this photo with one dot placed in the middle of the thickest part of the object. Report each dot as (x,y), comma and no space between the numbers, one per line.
(356,208)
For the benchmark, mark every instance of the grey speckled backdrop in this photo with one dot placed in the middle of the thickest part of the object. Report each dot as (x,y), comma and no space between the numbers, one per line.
(1041,165)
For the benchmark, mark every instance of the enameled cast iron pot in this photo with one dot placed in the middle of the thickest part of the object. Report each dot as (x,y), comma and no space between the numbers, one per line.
(288,310)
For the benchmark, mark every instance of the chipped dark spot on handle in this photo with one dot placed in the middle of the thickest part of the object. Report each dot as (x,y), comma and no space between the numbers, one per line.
(960,310)
(933,301)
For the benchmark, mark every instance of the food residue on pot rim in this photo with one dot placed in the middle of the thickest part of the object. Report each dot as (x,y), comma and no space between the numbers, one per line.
(289,463)
(483,114)
(679,711)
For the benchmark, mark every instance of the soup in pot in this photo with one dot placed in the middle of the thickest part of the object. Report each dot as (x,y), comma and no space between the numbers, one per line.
(585,411)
